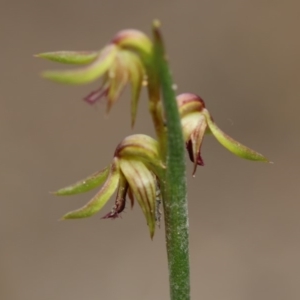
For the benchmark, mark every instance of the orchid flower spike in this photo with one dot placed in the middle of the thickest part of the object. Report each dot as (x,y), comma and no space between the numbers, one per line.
(134,172)
(196,121)
(118,63)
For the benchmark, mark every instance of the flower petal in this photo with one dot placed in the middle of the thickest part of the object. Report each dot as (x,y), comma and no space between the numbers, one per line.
(98,94)
(118,77)
(87,74)
(189,148)
(196,139)
(120,201)
(84,185)
(100,199)
(131,198)
(189,123)
(142,184)
(70,57)
(136,75)
(231,144)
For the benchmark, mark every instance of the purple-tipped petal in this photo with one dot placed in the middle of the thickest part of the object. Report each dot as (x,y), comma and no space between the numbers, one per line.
(97,95)
(199,159)
(197,139)
(120,201)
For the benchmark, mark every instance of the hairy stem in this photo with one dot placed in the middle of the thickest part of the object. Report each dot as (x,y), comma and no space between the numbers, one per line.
(155,106)
(174,191)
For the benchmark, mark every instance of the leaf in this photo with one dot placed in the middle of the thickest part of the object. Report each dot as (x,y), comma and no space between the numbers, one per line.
(84,185)
(231,144)
(86,74)
(70,57)
(100,199)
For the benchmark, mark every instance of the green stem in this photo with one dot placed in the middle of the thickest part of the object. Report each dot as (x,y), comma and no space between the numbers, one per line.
(155,105)
(174,191)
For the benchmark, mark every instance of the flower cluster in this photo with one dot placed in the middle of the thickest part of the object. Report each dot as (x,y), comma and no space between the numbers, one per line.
(138,163)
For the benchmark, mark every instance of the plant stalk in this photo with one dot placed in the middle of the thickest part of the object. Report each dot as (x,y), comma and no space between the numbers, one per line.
(155,108)
(175,190)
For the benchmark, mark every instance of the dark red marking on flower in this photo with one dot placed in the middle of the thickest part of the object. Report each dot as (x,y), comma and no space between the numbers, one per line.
(95,96)
(111,215)
(131,197)
(126,33)
(188,97)
(116,210)
(143,193)
(189,148)
(121,147)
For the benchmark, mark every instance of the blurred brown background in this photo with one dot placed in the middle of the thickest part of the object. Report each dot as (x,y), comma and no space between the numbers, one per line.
(242,57)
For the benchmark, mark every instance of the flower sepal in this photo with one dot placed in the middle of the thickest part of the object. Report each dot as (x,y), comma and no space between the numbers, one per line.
(101,198)
(70,57)
(230,144)
(87,74)
(85,184)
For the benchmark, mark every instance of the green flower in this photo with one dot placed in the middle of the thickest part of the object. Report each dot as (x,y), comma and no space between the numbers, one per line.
(134,172)
(196,121)
(119,63)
